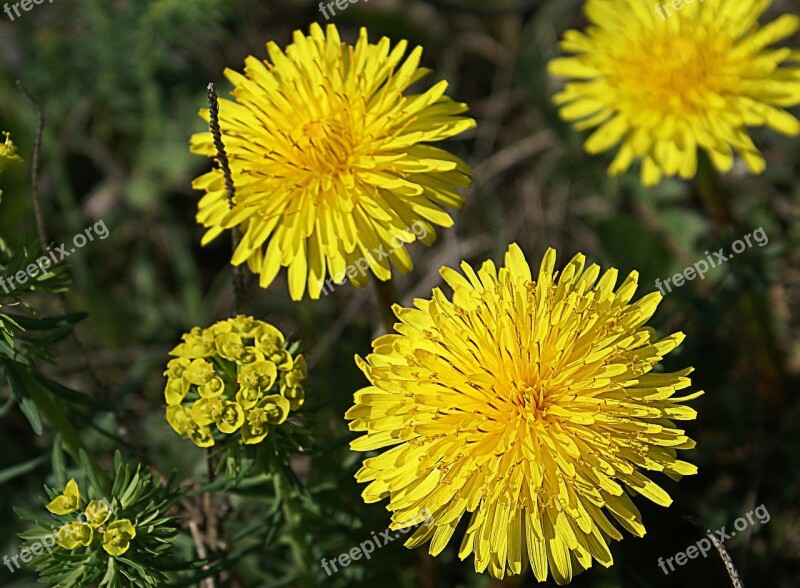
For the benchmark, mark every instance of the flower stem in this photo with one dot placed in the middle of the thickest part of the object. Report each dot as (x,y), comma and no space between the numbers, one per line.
(37,152)
(729,567)
(224,163)
(754,304)
(387,297)
(210,515)
(714,196)
(286,485)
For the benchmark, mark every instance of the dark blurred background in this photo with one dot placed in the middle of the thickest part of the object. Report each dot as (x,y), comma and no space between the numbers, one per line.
(122,82)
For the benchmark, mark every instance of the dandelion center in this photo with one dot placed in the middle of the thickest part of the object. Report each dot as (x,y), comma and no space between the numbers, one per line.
(526,404)
(530,401)
(324,146)
(657,89)
(674,73)
(332,157)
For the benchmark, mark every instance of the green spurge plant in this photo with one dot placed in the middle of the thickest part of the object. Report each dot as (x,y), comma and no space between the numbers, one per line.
(119,540)
(235,376)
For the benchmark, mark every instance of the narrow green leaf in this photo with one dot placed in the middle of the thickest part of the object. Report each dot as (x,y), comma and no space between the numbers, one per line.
(59,463)
(9,474)
(26,405)
(90,472)
(71,395)
(48,323)
(7,406)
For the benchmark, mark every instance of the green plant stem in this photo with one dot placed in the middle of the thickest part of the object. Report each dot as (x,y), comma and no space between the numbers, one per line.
(210,515)
(754,305)
(714,196)
(726,559)
(37,153)
(225,166)
(286,486)
(296,539)
(387,297)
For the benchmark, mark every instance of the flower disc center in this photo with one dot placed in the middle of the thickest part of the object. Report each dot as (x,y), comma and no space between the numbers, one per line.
(323,146)
(530,400)
(683,73)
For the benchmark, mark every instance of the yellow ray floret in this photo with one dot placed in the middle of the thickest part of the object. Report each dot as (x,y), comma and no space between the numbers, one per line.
(526,404)
(657,84)
(331,161)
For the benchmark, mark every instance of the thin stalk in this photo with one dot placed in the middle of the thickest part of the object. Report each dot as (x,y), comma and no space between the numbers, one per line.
(713,195)
(729,567)
(37,153)
(286,484)
(754,305)
(210,515)
(49,407)
(387,297)
(209,504)
(225,166)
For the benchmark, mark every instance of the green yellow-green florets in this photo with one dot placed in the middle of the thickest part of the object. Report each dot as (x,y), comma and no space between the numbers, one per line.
(235,376)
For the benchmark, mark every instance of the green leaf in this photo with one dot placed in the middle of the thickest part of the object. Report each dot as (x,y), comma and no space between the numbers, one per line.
(9,474)
(11,353)
(30,323)
(71,395)
(7,406)
(26,405)
(631,245)
(110,572)
(91,474)
(130,492)
(59,463)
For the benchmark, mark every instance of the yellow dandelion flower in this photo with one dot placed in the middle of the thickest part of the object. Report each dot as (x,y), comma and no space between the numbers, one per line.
(331,161)
(68,502)
(527,404)
(118,536)
(661,85)
(225,379)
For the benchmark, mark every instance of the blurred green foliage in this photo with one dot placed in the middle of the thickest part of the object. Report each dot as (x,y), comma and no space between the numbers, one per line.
(122,82)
